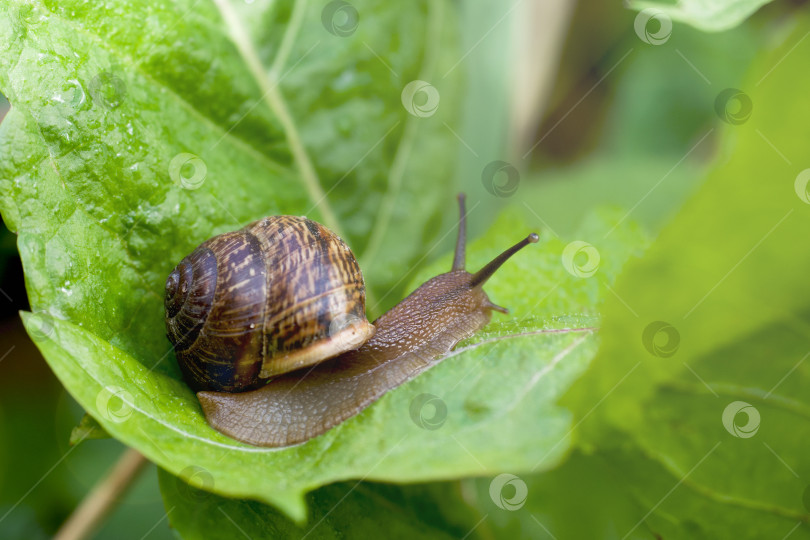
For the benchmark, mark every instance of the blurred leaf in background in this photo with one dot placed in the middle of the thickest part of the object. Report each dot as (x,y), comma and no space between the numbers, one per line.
(709,15)
(708,333)
(341,510)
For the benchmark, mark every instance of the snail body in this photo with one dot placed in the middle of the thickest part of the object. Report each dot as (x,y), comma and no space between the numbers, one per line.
(325,364)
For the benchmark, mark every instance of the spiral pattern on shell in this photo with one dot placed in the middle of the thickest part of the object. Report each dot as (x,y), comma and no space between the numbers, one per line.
(280,294)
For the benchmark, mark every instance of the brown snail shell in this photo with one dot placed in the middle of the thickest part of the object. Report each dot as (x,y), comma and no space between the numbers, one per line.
(278,295)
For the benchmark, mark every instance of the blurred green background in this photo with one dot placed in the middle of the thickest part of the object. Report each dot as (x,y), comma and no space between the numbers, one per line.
(611,123)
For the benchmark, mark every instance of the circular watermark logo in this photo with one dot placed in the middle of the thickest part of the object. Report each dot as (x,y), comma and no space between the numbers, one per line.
(500,178)
(508,492)
(420,98)
(732,412)
(195,483)
(733,106)
(108,89)
(661,339)
(653,26)
(39,326)
(580,259)
(800,186)
(115,404)
(340,18)
(187,170)
(428,411)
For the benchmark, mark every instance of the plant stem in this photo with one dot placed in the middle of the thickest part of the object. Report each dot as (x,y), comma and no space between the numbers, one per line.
(106,494)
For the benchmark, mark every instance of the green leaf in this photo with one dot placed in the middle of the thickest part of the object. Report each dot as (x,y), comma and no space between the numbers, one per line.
(346,509)
(131,141)
(489,389)
(709,15)
(97,177)
(752,485)
(112,157)
(702,368)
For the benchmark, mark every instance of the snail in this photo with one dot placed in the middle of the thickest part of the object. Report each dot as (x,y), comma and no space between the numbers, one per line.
(268,325)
